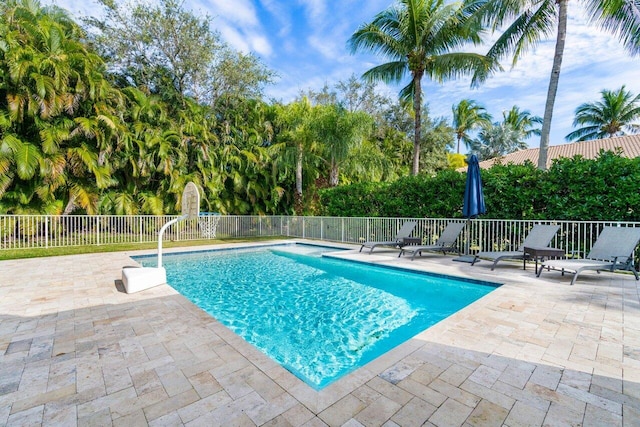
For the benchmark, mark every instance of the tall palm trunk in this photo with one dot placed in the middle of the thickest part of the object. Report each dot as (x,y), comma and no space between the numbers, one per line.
(299,156)
(417,102)
(298,205)
(553,84)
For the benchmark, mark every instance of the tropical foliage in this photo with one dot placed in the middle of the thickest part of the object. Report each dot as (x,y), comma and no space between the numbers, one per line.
(468,115)
(121,129)
(116,115)
(614,115)
(497,140)
(58,116)
(500,138)
(421,38)
(524,23)
(522,121)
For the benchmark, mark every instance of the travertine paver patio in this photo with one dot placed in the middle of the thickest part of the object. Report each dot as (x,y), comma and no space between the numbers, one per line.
(76,350)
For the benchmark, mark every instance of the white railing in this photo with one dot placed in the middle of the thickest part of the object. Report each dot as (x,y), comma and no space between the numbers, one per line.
(45,231)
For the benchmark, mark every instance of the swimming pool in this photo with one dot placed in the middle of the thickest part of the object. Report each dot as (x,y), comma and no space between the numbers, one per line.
(320,318)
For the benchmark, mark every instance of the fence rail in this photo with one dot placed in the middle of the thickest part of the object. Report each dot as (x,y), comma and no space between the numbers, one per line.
(47,231)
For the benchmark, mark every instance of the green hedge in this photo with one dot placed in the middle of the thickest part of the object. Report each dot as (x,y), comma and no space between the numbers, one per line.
(606,188)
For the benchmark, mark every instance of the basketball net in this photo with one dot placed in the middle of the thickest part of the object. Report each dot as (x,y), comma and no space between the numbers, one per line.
(208,224)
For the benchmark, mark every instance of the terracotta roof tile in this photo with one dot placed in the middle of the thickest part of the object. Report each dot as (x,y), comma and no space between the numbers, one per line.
(629,144)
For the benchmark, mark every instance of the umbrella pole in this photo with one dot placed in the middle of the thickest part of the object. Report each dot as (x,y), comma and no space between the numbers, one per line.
(467,257)
(469,236)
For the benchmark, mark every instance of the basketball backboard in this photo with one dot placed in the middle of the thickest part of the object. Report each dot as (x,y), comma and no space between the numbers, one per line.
(191,201)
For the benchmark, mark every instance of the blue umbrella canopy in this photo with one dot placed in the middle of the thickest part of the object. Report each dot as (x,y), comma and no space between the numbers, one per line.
(473,196)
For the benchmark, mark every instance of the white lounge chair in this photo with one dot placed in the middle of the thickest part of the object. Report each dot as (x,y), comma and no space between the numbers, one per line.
(613,250)
(397,242)
(445,243)
(539,237)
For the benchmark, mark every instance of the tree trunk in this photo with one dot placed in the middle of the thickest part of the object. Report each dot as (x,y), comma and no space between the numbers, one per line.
(299,171)
(417,102)
(71,205)
(333,174)
(553,84)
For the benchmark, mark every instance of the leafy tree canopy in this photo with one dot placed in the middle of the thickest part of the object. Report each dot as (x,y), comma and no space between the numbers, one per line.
(164,46)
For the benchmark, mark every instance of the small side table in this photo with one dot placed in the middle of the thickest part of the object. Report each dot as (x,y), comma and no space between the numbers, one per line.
(540,253)
(411,241)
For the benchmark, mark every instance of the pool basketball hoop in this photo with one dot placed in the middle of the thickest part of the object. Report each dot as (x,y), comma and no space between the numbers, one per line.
(190,201)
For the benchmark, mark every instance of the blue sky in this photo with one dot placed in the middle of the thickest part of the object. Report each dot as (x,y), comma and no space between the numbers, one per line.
(304,41)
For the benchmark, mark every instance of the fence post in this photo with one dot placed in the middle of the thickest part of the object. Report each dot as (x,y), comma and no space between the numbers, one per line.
(366,237)
(97,230)
(46,231)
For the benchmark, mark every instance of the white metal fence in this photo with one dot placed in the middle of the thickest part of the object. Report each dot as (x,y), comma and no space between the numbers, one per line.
(45,231)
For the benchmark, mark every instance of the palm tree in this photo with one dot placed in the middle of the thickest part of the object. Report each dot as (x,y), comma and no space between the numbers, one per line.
(297,148)
(467,116)
(338,131)
(606,118)
(60,110)
(420,37)
(529,21)
(367,162)
(507,136)
(522,121)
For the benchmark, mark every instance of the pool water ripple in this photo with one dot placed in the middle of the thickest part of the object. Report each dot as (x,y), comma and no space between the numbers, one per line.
(320,318)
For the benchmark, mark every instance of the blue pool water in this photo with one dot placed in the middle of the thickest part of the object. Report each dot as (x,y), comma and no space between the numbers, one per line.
(318,317)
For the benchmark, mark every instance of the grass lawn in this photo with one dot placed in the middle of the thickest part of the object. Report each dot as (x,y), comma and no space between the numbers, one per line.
(119,247)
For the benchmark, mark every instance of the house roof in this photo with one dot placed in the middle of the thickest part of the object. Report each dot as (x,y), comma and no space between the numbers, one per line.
(628,144)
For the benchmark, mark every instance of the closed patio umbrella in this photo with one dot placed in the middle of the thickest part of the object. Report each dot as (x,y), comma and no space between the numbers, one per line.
(473,204)
(473,195)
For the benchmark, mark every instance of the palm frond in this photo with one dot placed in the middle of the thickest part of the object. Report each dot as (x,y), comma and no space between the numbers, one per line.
(620,17)
(455,65)
(535,22)
(27,160)
(584,134)
(390,72)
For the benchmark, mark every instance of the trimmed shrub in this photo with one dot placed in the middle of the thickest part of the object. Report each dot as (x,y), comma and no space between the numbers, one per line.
(606,188)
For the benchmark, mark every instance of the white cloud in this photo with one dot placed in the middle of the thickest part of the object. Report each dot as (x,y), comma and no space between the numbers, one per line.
(245,41)
(78,8)
(232,36)
(316,11)
(261,44)
(238,23)
(326,47)
(239,12)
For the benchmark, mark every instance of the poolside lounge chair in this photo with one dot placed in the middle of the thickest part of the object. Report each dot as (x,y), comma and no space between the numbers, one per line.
(539,236)
(398,241)
(445,243)
(613,250)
